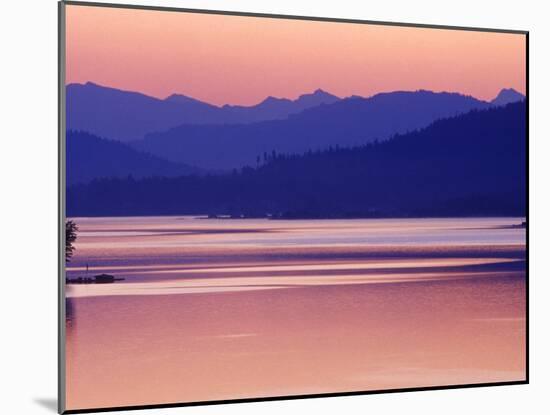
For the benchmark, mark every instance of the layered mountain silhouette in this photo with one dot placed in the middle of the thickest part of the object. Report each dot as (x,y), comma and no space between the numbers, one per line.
(468,164)
(126,115)
(89,157)
(345,122)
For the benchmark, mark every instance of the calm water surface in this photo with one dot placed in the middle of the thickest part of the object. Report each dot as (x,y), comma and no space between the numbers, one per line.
(219,309)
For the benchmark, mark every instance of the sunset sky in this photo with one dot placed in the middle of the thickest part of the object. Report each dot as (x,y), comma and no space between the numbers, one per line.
(241,60)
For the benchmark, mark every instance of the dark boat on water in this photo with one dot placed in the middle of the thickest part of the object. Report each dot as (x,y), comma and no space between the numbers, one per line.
(97,279)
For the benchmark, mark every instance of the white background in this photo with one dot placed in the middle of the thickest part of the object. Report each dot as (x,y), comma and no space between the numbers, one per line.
(28,189)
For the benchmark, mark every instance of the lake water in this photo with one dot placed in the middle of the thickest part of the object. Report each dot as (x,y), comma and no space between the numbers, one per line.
(218,309)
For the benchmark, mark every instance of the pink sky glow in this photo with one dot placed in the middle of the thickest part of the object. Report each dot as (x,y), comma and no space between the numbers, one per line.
(241,60)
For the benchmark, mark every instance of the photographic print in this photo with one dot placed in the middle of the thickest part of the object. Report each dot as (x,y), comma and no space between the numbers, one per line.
(262,206)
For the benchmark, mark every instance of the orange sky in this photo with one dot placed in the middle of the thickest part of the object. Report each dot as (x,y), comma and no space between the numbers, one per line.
(241,60)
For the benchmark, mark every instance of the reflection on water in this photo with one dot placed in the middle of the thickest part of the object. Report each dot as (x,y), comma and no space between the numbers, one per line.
(220,309)
(69,312)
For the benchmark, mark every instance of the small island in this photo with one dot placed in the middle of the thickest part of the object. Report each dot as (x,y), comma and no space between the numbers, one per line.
(70,237)
(97,279)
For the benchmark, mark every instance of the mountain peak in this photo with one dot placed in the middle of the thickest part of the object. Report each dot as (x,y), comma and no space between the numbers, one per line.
(317,97)
(179,98)
(271,98)
(507,96)
(272,102)
(184,99)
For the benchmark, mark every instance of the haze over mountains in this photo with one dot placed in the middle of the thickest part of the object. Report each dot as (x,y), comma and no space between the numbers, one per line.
(471,164)
(345,122)
(183,135)
(127,116)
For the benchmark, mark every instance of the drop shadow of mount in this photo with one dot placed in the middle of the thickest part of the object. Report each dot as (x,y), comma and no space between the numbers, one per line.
(49,403)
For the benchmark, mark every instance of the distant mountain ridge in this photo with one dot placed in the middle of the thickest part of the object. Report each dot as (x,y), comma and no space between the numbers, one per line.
(89,157)
(126,115)
(345,122)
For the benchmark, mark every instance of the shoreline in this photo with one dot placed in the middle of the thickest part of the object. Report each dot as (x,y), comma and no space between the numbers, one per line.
(183,216)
